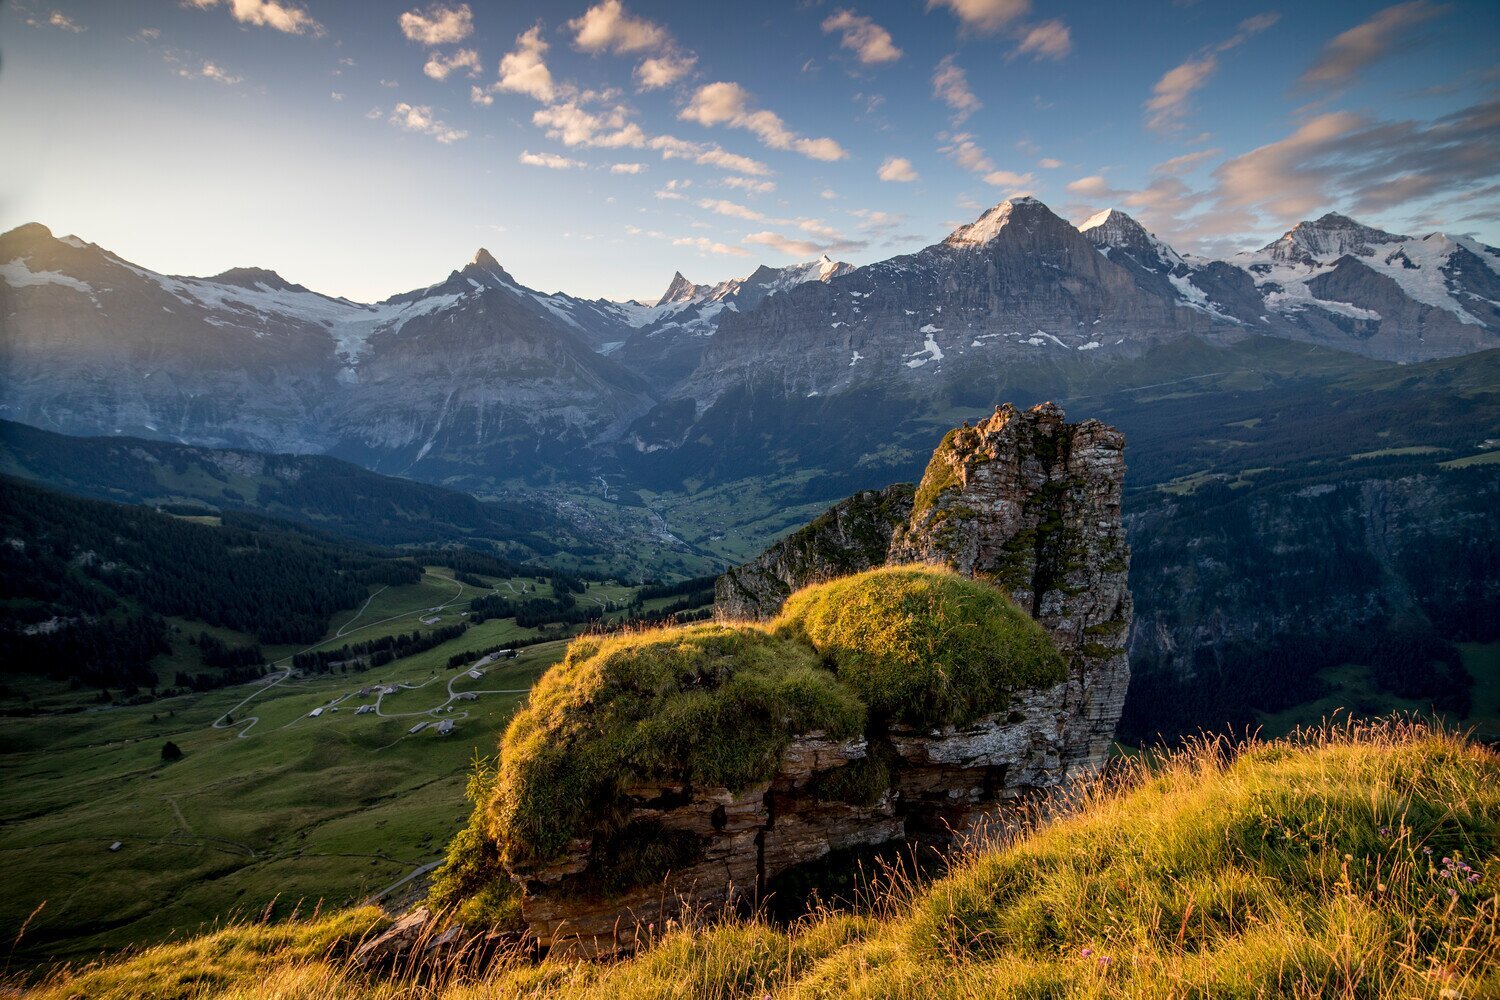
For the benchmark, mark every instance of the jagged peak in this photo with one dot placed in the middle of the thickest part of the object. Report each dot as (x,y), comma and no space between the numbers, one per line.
(680,290)
(1330,235)
(483,258)
(989,225)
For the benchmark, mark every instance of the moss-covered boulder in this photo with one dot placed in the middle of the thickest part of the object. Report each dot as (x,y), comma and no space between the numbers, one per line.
(924,646)
(706,705)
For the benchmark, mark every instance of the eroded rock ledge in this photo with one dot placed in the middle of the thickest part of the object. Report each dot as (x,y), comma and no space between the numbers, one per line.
(1025,501)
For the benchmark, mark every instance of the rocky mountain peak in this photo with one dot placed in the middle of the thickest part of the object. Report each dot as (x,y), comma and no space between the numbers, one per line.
(1114,228)
(252,277)
(680,290)
(993,222)
(483,258)
(1332,235)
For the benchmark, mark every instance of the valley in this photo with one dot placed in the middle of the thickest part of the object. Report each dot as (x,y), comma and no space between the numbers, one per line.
(270,809)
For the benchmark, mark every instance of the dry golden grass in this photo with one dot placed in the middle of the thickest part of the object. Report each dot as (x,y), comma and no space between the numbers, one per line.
(1356,860)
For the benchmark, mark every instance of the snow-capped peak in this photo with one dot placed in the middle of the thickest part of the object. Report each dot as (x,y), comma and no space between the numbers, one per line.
(988,226)
(1113,229)
(1331,236)
(681,290)
(484,259)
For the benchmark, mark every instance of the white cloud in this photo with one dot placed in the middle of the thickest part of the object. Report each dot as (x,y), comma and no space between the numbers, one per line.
(523,71)
(709,246)
(673,189)
(1094,186)
(866,39)
(729,104)
(419,118)
(1047,40)
(749,184)
(730,208)
(335,96)
(1365,43)
(661,71)
(950,84)
(1017,183)
(898,169)
(481,97)
(438,24)
(1048,163)
(284,17)
(551,161)
(985,16)
(828,194)
(573,126)
(440,66)
(606,27)
(626,168)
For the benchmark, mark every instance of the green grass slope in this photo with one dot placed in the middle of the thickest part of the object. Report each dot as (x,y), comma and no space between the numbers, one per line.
(1354,861)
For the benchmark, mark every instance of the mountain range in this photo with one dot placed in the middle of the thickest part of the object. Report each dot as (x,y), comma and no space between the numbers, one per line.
(479,380)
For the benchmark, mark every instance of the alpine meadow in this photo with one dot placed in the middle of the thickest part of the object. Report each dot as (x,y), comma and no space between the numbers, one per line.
(1048,548)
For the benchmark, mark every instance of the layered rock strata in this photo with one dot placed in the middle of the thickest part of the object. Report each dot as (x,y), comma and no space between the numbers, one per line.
(1024,500)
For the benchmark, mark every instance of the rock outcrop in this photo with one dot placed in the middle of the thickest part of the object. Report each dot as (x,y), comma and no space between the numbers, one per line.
(1025,501)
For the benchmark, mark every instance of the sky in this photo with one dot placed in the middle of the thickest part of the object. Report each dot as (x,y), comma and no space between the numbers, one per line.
(367,148)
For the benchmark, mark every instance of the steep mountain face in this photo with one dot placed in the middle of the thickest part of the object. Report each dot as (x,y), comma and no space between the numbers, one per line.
(1398,298)
(482,377)
(476,371)
(95,344)
(482,380)
(1018,283)
(673,334)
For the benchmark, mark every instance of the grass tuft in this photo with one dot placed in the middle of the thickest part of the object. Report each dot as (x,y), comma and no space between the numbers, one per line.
(924,646)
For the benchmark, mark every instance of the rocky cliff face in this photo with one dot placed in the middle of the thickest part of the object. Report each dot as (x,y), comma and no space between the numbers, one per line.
(1024,500)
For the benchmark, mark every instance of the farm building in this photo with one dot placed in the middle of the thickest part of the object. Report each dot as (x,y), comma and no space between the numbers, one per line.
(445,727)
(417,728)
(315,713)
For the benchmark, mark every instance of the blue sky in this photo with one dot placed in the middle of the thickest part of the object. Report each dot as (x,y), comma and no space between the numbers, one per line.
(367,148)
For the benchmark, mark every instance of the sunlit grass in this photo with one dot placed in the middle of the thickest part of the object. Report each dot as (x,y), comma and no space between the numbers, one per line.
(1307,867)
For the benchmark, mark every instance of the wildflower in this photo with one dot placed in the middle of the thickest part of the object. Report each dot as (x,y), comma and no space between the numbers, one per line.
(1427,851)
(1104,961)
(1087,952)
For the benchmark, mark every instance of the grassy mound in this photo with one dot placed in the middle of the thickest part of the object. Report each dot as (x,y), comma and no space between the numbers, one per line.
(924,646)
(709,704)
(1361,861)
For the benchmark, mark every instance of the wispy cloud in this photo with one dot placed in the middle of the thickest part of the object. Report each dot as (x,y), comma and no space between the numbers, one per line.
(419,118)
(551,161)
(1046,40)
(439,66)
(1170,101)
(1365,43)
(871,43)
(57,19)
(730,208)
(730,104)
(627,168)
(710,246)
(950,84)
